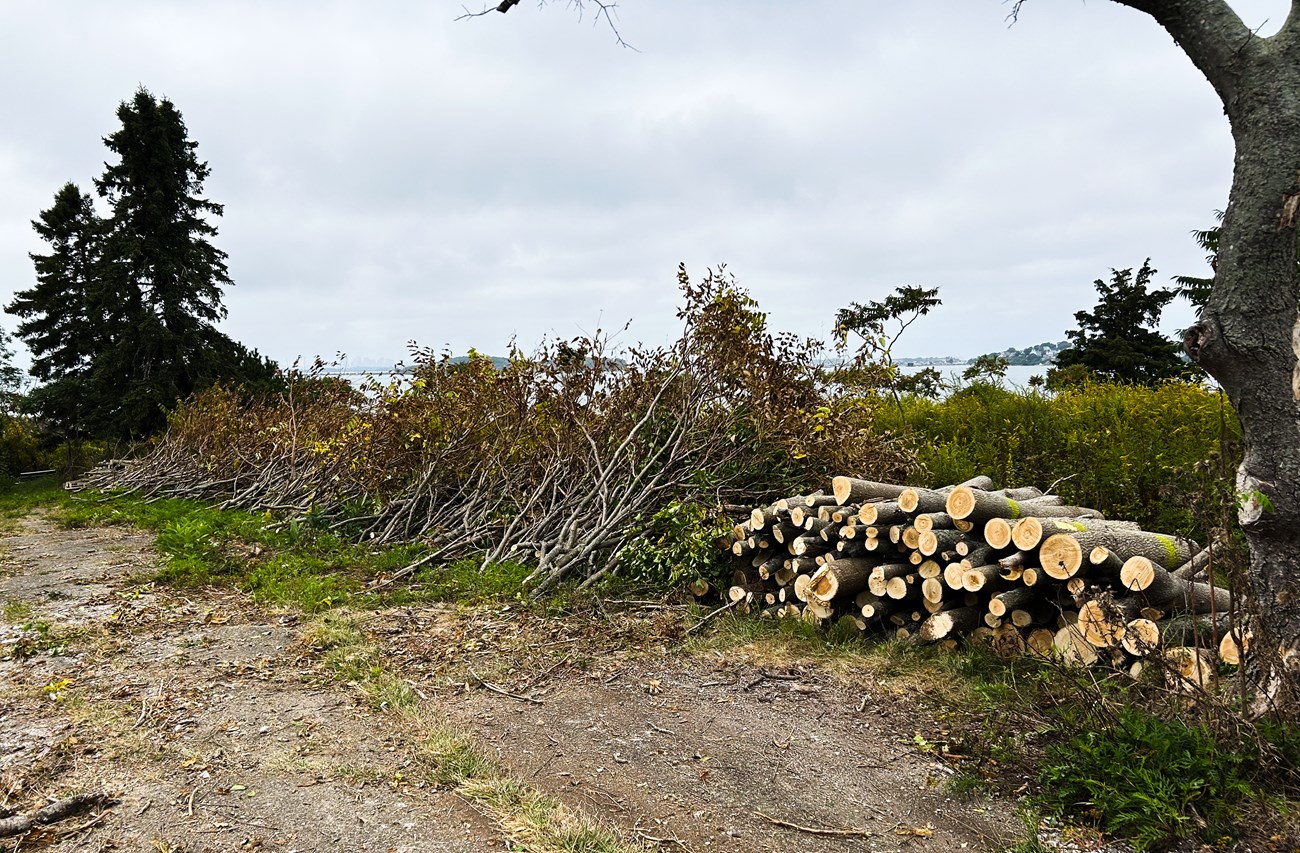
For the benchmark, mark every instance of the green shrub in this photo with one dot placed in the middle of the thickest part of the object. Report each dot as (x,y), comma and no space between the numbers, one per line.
(1149,779)
(1117,448)
(680,543)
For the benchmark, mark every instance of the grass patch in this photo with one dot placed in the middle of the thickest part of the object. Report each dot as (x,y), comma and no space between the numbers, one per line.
(16,610)
(298,564)
(19,498)
(450,758)
(351,657)
(540,823)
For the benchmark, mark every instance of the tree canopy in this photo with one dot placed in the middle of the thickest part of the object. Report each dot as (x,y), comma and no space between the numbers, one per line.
(1117,341)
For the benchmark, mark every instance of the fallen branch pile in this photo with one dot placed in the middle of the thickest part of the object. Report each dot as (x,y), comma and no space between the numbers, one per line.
(1014,567)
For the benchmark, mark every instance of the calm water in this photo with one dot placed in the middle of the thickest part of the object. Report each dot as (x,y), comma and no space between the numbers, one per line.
(1017,374)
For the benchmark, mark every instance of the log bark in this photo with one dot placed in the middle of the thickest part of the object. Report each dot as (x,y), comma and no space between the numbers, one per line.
(53,813)
(960,620)
(881,513)
(764,517)
(881,576)
(808,545)
(978,577)
(785,530)
(979,506)
(1163,588)
(919,501)
(905,588)
(1030,531)
(841,577)
(1062,554)
(930,542)
(933,521)
(852,490)
(1003,602)
(788,504)
(1204,631)
(1197,565)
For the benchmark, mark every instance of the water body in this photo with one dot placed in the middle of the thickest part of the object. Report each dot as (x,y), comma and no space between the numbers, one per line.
(1017,377)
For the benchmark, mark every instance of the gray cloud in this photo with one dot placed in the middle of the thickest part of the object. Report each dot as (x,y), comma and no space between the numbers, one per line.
(391,174)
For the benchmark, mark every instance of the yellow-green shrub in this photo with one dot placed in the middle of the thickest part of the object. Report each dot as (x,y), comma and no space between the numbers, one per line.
(1125,450)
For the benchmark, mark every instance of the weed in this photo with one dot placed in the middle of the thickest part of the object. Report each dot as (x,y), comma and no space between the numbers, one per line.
(16,610)
(539,822)
(1031,842)
(966,783)
(449,758)
(1149,779)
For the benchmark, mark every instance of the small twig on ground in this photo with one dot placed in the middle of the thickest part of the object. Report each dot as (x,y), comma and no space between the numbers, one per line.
(811,830)
(725,607)
(503,692)
(56,811)
(719,683)
(548,671)
(771,676)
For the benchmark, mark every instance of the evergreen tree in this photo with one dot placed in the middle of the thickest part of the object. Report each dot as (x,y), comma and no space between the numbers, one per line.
(64,316)
(1117,340)
(160,263)
(122,316)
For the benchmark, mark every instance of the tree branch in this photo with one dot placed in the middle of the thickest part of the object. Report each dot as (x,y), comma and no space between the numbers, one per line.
(604,10)
(1289,35)
(1211,34)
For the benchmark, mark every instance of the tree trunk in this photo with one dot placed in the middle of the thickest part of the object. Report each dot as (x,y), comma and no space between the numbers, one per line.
(1248,337)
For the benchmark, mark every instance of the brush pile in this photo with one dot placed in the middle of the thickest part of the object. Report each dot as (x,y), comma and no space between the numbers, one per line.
(1015,567)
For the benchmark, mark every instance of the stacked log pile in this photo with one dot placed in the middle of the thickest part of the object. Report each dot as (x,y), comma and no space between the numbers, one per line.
(1014,567)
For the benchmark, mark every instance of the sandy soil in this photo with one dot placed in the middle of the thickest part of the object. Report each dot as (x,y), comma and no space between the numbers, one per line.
(213,728)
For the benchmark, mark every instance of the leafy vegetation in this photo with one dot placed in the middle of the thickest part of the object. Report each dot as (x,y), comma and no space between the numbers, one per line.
(1118,448)
(1117,341)
(1150,779)
(571,457)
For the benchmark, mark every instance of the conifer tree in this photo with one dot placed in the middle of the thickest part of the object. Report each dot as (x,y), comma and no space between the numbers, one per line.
(64,315)
(122,317)
(1117,340)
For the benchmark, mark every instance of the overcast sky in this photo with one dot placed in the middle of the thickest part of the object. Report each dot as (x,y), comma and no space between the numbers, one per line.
(391,174)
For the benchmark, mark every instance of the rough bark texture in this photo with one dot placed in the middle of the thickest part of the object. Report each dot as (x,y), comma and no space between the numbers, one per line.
(1248,337)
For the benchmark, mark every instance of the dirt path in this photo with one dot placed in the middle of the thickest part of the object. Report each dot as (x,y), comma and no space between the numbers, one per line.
(215,729)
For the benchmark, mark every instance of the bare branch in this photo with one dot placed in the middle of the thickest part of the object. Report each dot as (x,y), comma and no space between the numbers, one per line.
(604,10)
(1211,34)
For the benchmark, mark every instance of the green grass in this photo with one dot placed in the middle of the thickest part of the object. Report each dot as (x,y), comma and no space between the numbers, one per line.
(19,498)
(292,564)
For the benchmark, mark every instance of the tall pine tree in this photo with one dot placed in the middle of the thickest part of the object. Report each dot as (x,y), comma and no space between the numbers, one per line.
(64,316)
(122,319)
